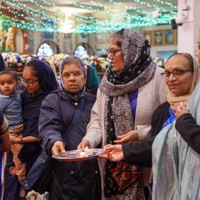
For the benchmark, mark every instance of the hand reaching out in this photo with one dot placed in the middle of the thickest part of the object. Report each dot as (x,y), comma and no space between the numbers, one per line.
(113,153)
(83,145)
(127,137)
(58,147)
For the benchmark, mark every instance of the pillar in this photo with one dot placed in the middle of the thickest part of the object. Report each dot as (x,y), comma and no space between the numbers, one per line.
(189,31)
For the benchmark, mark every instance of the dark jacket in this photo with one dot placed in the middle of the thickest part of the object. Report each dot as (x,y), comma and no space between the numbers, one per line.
(30,113)
(140,152)
(73,180)
(189,131)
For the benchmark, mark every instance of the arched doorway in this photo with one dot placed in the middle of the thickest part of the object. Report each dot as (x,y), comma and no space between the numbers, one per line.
(47,48)
(83,49)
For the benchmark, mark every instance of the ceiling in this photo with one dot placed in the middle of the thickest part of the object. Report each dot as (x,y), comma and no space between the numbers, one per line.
(91,16)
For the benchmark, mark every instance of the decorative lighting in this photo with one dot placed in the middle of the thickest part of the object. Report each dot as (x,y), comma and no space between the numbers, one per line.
(121,15)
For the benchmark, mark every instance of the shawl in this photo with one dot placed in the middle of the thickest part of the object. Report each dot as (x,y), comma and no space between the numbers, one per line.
(138,71)
(176,165)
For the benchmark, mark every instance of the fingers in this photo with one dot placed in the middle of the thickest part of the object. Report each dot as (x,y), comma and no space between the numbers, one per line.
(84,144)
(105,156)
(108,147)
(120,141)
(58,147)
(113,153)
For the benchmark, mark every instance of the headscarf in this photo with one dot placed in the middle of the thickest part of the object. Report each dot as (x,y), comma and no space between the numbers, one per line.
(138,66)
(61,69)
(51,64)
(119,88)
(2,63)
(45,75)
(175,100)
(175,164)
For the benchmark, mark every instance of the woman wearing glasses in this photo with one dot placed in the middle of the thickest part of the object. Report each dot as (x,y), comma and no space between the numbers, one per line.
(39,80)
(126,99)
(181,76)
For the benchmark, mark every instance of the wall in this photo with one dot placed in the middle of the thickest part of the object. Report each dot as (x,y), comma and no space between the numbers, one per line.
(98,43)
(63,40)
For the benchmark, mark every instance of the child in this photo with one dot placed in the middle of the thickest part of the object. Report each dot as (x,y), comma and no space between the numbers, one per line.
(10,104)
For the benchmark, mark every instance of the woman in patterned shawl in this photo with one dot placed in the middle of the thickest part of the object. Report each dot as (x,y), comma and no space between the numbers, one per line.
(126,99)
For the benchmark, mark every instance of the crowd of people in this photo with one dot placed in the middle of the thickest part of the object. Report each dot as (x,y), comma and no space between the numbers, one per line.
(144,117)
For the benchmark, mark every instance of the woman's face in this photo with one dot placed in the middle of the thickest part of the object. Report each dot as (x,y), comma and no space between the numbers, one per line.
(73,78)
(198,51)
(31,81)
(115,55)
(178,83)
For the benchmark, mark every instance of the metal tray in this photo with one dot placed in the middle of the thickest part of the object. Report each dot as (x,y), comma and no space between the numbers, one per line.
(78,155)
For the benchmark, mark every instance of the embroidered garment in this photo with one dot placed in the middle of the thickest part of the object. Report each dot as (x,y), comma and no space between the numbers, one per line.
(121,97)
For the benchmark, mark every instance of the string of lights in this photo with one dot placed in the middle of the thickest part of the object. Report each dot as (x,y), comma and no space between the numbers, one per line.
(118,14)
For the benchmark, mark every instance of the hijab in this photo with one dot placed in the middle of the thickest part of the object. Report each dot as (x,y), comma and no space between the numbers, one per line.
(2,63)
(175,100)
(138,66)
(45,75)
(64,62)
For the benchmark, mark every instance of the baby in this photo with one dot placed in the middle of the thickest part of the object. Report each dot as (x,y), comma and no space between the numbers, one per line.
(10,104)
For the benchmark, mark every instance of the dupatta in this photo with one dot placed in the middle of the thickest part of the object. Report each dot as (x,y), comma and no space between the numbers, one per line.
(176,166)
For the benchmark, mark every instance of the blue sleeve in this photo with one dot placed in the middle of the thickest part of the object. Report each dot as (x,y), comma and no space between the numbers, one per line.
(3,103)
(50,123)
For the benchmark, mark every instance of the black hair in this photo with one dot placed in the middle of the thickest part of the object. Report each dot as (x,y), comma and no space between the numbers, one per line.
(10,72)
(44,73)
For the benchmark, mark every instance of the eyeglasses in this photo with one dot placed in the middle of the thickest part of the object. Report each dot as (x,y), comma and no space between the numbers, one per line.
(75,74)
(177,73)
(28,82)
(113,52)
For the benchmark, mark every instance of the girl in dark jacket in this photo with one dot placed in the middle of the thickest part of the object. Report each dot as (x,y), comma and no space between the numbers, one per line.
(39,80)
(73,180)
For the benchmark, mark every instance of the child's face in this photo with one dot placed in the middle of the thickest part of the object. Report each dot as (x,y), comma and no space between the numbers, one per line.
(8,84)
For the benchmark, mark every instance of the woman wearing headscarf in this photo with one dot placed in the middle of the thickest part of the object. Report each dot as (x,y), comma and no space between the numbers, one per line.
(176,159)
(140,152)
(72,180)
(126,99)
(39,80)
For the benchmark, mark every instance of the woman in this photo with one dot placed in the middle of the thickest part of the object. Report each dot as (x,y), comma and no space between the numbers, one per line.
(122,106)
(140,152)
(39,81)
(78,180)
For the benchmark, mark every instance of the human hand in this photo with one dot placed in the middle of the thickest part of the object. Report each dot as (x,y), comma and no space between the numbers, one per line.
(84,144)
(58,147)
(127,137)
(113,152)
(180,110)
(14,140)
